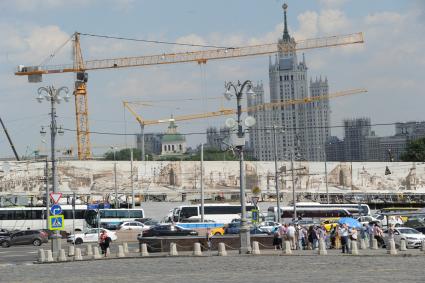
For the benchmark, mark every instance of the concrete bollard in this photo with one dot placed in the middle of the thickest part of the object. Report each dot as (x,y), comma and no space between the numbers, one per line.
(197,249)
(120,252)
(374,244)
(362,244)
(286,248)
(222,249)
(255,248)
(71,250)
(392,250)
(89,251)
(145,250)
(108,252)
(322,247)
(96,253)
(354,250)
(125,245)
(423,246)
(62,255)
(49,256)
(403,247)
(78,255)
(173,250)
(41,256)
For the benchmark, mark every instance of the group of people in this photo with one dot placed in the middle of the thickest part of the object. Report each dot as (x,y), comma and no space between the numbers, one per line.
(338,236)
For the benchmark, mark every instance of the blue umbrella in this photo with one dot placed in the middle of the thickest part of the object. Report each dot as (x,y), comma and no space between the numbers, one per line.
(351,222)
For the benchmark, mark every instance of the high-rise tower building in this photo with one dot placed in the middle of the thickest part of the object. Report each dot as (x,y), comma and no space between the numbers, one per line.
(306,125)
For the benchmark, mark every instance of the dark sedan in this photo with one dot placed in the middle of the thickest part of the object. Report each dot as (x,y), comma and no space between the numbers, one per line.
(27,237)
(235,228)
(167,230)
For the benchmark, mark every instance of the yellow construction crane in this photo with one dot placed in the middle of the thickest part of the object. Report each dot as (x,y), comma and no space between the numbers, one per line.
(80,68)
(224,112)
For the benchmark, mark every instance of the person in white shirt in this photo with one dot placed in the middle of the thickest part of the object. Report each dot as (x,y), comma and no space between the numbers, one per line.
(290,233)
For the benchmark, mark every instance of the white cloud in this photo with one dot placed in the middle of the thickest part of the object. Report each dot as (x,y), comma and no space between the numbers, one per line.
(384,18)
(308,25)
(333,21)
(332,3)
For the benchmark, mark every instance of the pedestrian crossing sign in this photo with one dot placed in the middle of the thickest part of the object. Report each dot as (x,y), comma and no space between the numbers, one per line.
(56,222)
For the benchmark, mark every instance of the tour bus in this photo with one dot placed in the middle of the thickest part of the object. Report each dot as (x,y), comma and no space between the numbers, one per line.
(22,218)
(215,215)
(361,209)
(111,218)
(314,213)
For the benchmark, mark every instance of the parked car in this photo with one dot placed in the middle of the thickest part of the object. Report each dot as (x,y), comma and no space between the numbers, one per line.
(267,226)
(219,231)
(235,227)
(412,236)
(27,237)
(167,230)
(133,225)
(368,219)
(148,221)
(91,235)
(5,233)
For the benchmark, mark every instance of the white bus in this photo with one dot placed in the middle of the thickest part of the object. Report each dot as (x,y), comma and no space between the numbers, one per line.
(360,209)
(214,213)
(22,218)
(111,218)
(314,213)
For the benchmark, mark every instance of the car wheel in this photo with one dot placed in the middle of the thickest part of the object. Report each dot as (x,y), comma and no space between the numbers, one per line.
(217,234)
(36,242)
(78,241)
(5,244)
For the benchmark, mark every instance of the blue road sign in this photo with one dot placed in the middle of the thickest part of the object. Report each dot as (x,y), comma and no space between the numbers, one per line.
(56,209)
(56,222)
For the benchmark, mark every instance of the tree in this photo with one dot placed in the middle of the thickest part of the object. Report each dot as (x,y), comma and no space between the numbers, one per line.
(124,154)
(415,151)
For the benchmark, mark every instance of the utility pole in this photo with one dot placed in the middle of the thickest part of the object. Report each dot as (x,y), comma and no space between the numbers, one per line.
(275,176)
(53,96)
(293,184)
(133,202)
(202,183)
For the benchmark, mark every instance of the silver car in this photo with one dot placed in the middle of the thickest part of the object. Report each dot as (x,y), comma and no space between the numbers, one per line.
(413,237)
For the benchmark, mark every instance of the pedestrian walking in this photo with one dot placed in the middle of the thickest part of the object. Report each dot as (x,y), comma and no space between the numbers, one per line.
(343,233)
(378,235)
(290,232)
(104,242)
(277,240)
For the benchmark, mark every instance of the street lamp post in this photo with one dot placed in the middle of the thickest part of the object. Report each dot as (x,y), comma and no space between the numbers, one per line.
(53,95)
(238,89)
(115,179)
(293,184)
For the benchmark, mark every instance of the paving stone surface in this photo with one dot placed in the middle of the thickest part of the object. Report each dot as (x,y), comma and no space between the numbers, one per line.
(303,266)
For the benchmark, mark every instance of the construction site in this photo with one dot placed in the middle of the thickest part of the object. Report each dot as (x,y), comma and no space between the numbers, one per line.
(75,169)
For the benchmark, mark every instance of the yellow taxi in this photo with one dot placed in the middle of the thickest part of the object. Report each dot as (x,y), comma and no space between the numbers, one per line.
(219,231)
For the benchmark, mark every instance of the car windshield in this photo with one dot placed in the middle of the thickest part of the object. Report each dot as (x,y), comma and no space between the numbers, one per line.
(409,231)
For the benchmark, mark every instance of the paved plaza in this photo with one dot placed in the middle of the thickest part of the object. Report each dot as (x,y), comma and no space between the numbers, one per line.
(271,266)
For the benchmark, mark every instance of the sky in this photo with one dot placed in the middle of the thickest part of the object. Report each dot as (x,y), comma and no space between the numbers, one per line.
(390,64)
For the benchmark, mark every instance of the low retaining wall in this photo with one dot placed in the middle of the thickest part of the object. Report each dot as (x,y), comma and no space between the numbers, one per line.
(162,244)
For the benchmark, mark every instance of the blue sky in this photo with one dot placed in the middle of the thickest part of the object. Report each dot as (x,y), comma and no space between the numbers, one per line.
(391,63)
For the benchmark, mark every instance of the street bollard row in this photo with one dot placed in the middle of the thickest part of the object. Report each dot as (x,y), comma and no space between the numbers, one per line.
(94,253)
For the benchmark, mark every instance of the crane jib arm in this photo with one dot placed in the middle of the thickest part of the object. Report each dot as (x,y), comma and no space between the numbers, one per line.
(195,56)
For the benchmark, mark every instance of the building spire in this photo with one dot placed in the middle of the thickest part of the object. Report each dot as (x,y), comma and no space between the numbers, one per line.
(285,36)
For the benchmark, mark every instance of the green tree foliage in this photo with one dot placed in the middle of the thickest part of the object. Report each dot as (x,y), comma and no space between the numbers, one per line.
(124,154)
(415,151)
(213,155)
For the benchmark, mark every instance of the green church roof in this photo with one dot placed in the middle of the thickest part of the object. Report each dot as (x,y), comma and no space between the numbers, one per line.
(173,138)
